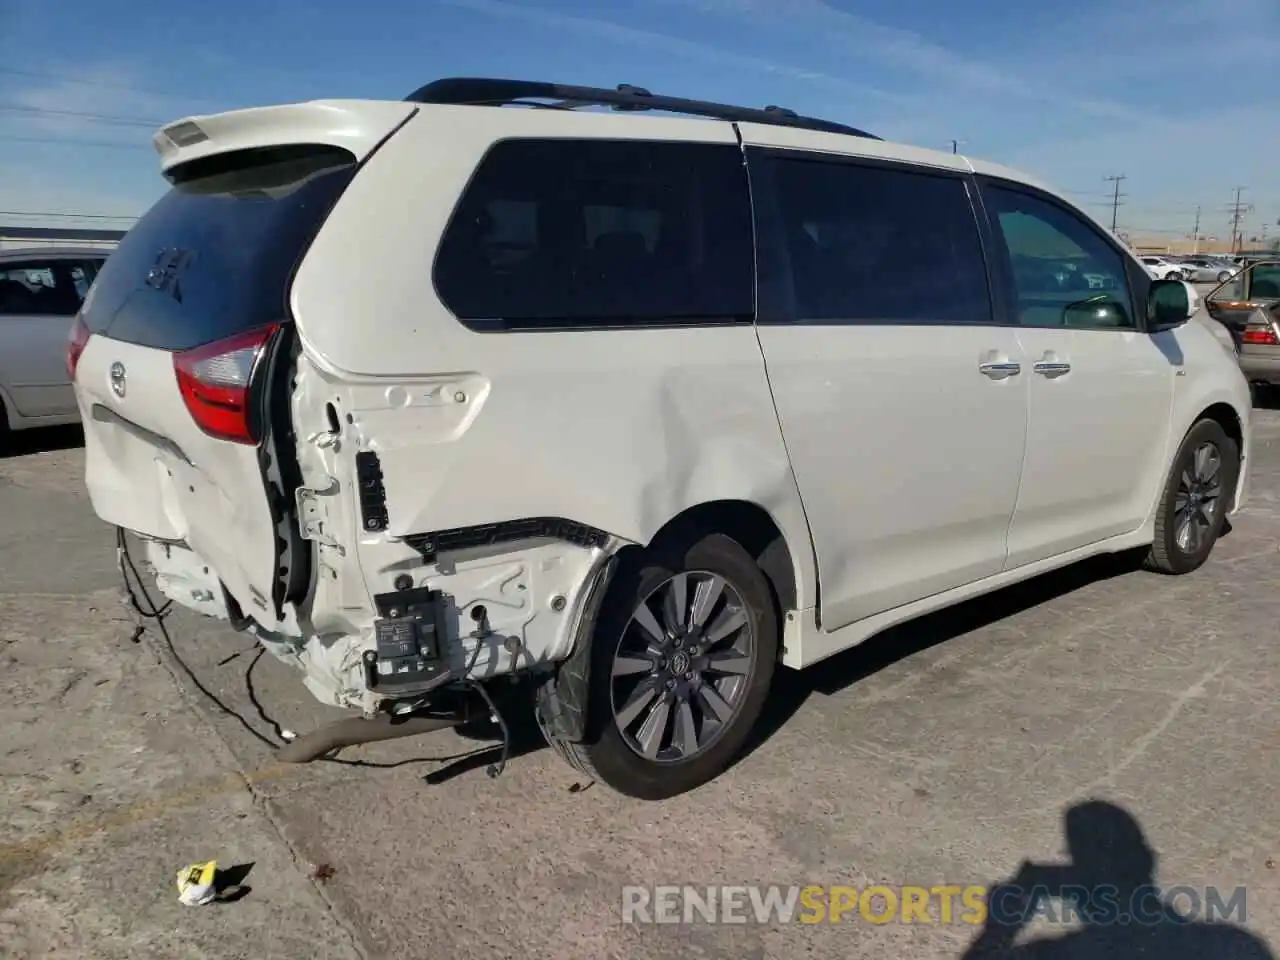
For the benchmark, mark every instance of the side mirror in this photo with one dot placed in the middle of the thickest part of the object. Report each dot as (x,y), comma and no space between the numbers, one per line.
(1170,304)
(1096,312)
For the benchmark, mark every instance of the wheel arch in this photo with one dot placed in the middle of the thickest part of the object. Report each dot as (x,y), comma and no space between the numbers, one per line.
(754,528)
(1227,417)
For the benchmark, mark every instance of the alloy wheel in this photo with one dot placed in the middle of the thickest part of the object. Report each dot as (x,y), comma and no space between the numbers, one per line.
(1199,494)
(682,667)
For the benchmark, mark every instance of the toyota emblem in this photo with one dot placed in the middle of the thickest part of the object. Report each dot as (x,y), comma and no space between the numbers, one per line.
(117,379)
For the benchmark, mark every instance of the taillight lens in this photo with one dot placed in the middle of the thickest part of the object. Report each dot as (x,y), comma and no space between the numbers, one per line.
(216,381)
(76,341)
(1261,333)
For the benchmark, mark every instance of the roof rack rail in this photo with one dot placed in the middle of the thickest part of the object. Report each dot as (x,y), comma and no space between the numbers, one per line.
(491,92)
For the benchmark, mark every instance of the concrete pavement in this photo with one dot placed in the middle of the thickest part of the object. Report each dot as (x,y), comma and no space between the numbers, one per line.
(947,752)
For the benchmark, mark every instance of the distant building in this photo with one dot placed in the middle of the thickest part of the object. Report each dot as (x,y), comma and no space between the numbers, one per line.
(11,237)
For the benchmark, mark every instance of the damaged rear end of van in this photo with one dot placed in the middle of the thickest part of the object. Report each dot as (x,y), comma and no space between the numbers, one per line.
(244,460)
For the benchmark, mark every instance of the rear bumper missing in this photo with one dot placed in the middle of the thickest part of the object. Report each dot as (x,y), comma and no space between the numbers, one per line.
(183,577)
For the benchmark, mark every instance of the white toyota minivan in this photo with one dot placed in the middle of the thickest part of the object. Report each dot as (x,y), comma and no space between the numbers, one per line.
(430,394)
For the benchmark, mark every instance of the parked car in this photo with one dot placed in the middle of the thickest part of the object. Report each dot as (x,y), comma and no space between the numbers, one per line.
(1207,270)
(1163,268)
(1249,306)
(427,433)
(41,290)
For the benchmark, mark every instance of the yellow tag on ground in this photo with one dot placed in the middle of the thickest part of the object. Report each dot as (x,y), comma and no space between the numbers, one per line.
(195,883)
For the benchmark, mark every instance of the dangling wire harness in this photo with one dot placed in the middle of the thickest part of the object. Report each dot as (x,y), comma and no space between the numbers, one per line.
(139,600)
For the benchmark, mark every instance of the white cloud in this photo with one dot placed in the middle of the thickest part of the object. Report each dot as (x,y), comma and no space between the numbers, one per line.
(67,106)
(672,46)
(936,67)
(46,172)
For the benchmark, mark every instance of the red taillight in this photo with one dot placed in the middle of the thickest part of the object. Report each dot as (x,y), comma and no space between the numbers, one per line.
(1261,334)
(217,380)
(75,345)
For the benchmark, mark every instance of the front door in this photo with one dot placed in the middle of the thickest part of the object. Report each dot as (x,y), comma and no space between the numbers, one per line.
(1101,388)
(903,407)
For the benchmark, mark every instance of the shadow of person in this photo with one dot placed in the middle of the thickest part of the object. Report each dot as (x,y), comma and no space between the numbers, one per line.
(1108,888)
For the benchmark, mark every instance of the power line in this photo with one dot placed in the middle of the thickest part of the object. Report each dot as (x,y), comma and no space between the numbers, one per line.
(70,216)
(80,115)
(76,143)
(1115,199)
(107,84)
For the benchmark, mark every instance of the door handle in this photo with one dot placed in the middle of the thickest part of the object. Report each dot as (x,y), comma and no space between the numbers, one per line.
(999,369)
(1052,368)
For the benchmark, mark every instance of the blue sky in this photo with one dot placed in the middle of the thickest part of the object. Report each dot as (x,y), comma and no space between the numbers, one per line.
(1171,93)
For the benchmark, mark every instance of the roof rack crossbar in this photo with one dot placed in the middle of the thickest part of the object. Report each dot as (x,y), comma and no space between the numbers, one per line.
(488,91)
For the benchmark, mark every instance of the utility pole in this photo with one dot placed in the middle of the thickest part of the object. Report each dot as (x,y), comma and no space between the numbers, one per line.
(1238,210)
(1195,232)
(1115,199)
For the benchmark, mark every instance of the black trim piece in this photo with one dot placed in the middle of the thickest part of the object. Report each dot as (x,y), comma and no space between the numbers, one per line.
(613,326)
(999,283)
(494,92)
(807,155)
(281,474)
(372,491)
(107,415)
(432,545)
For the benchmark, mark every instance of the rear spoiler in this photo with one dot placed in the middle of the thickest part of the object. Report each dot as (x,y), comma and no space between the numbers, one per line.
(354,125)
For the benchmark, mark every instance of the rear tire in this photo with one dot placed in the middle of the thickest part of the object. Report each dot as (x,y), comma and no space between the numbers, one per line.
(672,704)
(1224,276)
(1192,511)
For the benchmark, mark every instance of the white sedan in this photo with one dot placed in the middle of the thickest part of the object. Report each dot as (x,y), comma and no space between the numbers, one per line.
(1163,269)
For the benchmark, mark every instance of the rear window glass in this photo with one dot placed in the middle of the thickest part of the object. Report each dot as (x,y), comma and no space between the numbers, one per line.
(215,255)
(572,233)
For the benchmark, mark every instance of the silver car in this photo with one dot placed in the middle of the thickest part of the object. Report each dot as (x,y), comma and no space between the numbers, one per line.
(41,289)
(1207,269)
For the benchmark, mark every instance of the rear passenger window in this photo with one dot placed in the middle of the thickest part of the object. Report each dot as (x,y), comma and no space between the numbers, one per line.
(874,245)
(573,233)
(39,288)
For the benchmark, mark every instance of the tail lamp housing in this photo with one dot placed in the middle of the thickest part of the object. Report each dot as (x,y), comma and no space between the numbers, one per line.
(219,380)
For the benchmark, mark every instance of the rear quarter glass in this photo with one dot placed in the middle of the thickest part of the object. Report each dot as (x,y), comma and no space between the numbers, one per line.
(216,254)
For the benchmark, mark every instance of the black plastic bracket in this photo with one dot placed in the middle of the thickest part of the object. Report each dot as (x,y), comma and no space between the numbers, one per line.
(431,545)
(373,493)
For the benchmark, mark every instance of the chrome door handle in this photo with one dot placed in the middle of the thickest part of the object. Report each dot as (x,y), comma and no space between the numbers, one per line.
(999,369)
(1052,368)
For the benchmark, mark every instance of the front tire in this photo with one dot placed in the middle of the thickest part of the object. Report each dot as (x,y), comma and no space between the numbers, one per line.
(1224,276)
(683,654)
(1193,506)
